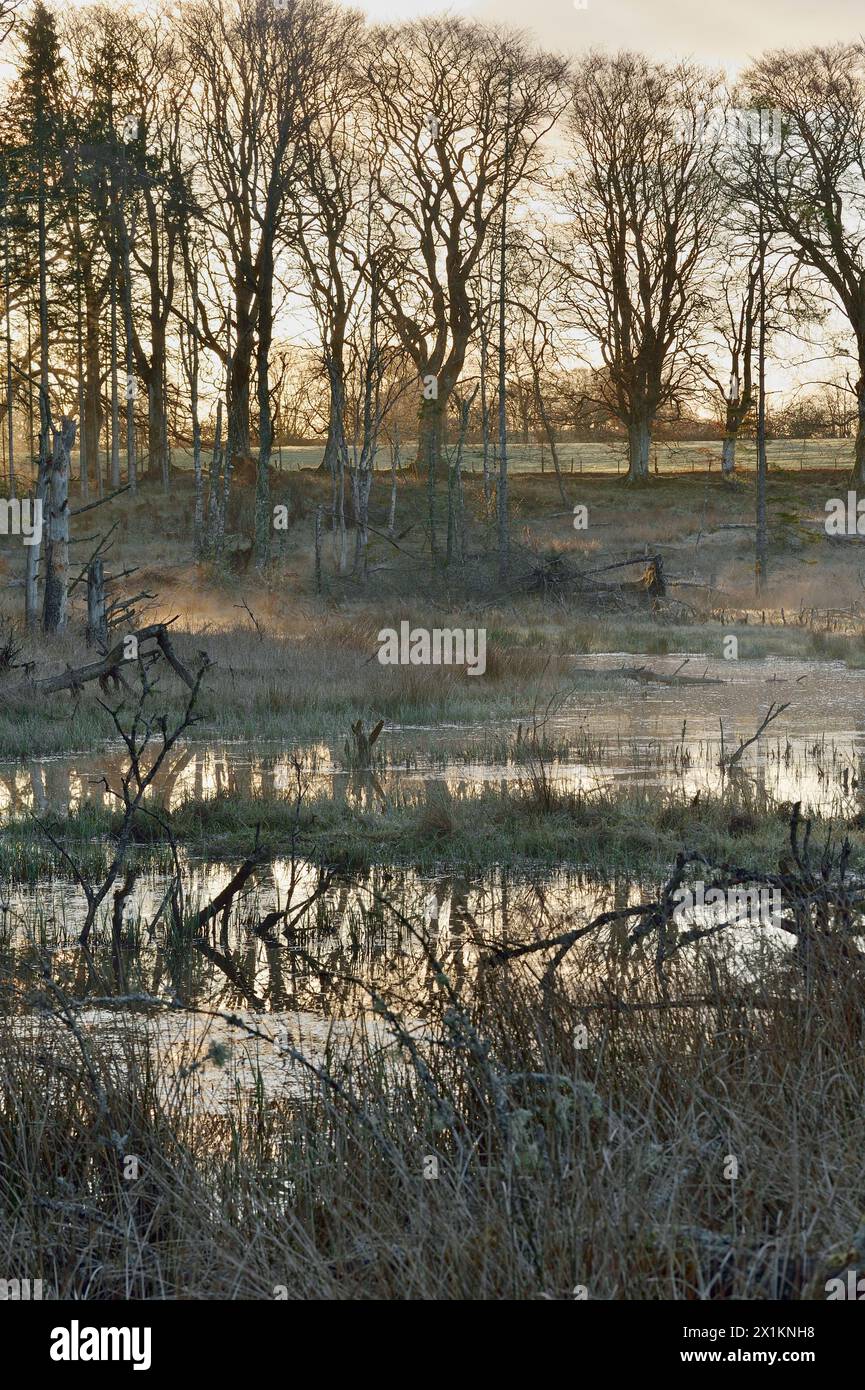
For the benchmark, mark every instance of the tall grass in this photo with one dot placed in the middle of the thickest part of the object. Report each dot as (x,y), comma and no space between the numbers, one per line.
(558,1166)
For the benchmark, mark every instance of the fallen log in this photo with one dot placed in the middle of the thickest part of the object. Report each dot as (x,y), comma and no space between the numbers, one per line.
(73,678)
(652,580)
(554,575)
(648,677)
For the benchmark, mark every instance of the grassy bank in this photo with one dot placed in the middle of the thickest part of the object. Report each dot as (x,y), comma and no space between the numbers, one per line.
(529,823)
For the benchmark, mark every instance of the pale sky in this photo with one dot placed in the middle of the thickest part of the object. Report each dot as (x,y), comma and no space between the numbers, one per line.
(725,33)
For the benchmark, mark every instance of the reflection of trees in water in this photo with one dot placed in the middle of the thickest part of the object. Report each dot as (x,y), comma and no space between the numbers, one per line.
(202,772)
(37,783)
(317,942)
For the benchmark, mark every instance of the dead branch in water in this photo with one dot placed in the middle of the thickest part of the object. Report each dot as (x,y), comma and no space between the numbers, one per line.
(224,900)
(647,677)
(134,785)
(821,905)
(732,759)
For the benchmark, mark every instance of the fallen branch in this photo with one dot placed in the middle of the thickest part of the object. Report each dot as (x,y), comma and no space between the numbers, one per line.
(73,678)
(100,501)
(648,677)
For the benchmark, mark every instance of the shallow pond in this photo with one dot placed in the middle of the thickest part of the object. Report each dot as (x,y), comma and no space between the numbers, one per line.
(660,735)
(314,984)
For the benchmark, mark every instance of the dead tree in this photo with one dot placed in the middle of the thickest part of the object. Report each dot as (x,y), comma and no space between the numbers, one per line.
(56,600)
(34,552)
(97,621)
(109,665)
(359,752)
(134,784)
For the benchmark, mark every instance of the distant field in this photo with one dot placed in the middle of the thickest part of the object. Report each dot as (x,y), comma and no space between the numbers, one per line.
(696,455)
(606,458)
(690,456)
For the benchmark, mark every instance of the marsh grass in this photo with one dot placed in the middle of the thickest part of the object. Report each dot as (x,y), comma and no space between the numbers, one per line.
(308,666)
(533,820)
(557,1166)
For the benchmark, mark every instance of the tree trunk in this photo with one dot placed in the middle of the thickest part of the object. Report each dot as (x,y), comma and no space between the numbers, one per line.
(209,547)
(394,469)
(263,516)
(157,425)
(336,375)
(485,419)
(341,535)
(115,399)
(728,452)
(223,505)
(857,477)
(431,418)
(79,366)
(456,544)
(97,622)
(92,427)
(502,499)
(431,436)
(158,271)
(550,433)
(362,486)
(239,378)
(198,518)
(57,547)
(31,561)
(9,392)
(762,536)
(128,335)
(31,570)
(639,442)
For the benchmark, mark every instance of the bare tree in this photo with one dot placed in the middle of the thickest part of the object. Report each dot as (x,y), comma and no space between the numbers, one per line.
(249,61)
(733,327)
(330,198)
(438,92)
(813,179)
(642,198)
(537,278)
(7,17)
(154,182)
